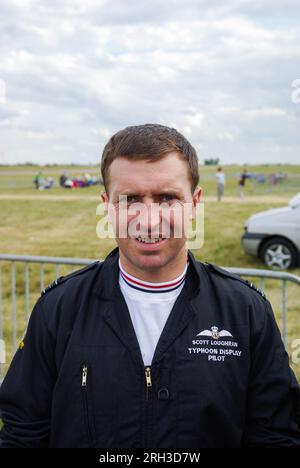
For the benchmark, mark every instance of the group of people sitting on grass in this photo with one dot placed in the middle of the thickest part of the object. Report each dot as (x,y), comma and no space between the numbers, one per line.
(42,183)
(85,181)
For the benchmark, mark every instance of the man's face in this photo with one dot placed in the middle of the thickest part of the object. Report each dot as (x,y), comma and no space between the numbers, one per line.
(150,185)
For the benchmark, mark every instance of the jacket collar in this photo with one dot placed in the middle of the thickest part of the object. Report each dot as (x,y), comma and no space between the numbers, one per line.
(108,278)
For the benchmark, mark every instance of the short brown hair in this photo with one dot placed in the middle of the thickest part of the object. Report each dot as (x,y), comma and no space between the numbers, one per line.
(151,142)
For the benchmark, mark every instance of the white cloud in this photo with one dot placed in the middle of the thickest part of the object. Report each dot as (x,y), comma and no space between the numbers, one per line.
(265,112)
(75,72)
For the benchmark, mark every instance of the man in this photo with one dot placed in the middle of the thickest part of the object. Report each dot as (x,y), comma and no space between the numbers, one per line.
(242,182)
(150,348)
(220,181)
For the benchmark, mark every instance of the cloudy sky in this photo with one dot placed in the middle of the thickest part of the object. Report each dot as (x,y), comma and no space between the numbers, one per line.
(74,72)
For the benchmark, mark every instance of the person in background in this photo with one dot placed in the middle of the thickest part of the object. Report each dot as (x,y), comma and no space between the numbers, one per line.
(46,183)
(37,180)
(220,181)
(242,182)
(62,180)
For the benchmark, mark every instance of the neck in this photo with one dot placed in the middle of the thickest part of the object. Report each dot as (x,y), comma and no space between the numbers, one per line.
(162,274)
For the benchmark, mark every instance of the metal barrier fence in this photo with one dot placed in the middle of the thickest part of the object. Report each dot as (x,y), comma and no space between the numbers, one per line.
(61,261)
(269,274)
(58,262)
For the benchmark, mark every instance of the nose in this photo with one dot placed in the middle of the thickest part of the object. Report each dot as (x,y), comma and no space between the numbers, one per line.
(150,218)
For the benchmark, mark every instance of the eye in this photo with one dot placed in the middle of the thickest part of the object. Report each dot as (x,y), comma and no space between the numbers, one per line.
(132,199)
(166,198)
(127,199)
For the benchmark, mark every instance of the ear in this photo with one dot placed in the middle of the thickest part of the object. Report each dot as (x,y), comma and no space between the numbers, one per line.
(196,199)
(104,198)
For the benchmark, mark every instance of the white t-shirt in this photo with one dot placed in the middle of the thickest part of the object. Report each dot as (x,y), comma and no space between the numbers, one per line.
(149,305)
(220,178)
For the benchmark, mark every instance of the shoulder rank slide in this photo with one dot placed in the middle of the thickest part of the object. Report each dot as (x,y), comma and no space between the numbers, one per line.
(227,273)
(62,279)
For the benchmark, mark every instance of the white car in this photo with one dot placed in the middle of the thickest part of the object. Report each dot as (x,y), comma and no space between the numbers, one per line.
(274,236)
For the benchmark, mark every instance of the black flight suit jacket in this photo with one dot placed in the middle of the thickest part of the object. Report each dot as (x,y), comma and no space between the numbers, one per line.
(220,375)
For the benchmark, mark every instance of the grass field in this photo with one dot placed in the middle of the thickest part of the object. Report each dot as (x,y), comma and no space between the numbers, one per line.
(60,222)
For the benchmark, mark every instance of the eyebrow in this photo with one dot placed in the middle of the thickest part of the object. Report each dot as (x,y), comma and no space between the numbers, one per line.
(170,191)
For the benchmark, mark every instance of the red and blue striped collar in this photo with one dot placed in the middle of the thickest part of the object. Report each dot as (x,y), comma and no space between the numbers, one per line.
(150,287)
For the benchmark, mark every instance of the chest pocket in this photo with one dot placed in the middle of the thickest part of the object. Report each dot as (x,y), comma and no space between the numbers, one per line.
(211,395)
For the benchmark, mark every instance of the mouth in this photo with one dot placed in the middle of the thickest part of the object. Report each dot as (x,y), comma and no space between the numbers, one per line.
(149,243)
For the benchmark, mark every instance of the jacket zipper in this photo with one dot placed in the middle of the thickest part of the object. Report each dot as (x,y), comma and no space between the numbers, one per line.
(148,381)
(148,401)
(84,376)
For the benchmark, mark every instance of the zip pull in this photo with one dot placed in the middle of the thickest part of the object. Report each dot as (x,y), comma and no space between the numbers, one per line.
(148,379)
(84,376)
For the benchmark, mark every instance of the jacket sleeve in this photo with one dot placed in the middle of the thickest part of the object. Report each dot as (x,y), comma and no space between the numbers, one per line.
(26,393)
(274,397)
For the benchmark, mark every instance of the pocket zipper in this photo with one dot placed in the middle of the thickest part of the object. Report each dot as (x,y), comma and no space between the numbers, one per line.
(84,375)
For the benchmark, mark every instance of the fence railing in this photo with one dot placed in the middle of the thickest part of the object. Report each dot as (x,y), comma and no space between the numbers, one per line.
(269,274)
(10,317)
